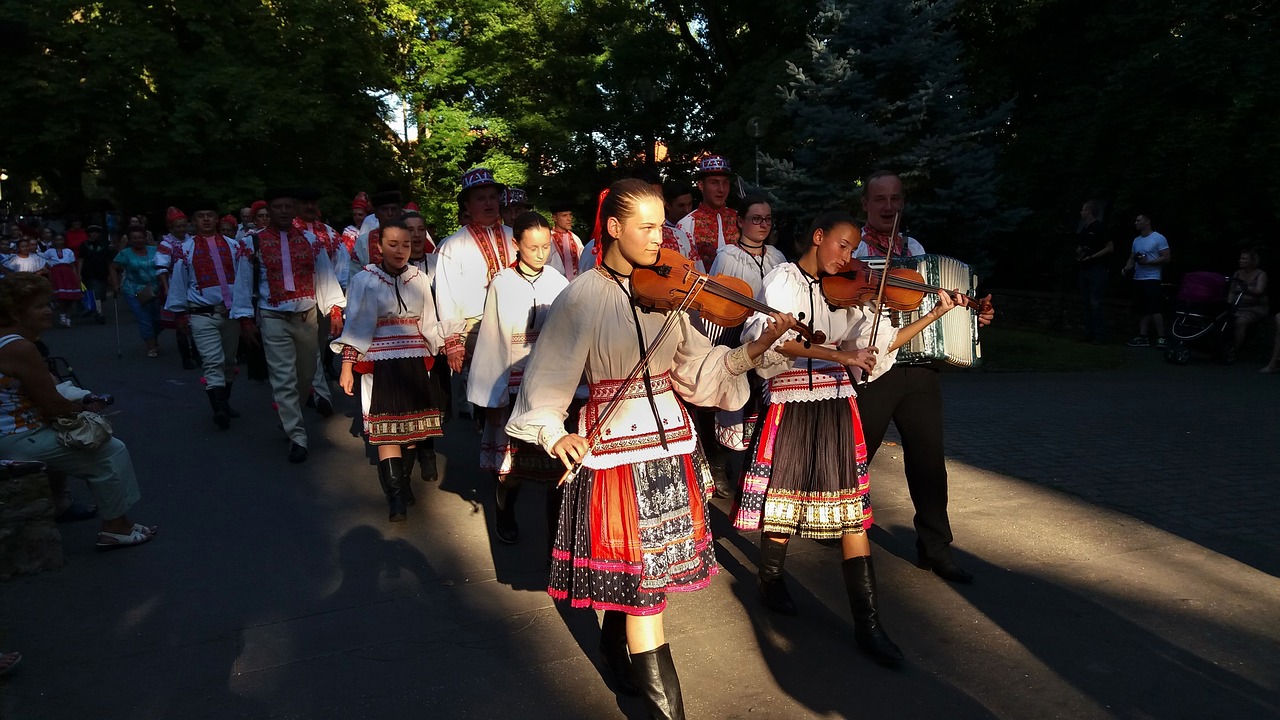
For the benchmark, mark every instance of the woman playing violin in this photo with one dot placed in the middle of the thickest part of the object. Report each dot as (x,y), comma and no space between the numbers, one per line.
(807,468)
(633,523)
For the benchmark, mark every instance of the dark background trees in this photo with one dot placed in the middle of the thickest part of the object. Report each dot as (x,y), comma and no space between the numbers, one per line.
(1004,115)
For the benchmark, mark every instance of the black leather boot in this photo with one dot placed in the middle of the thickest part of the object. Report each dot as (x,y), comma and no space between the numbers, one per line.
(504,512)
(613,646)
(655,673)
(769,579)
(427,460)
(406,481)
(218,400)
(389,474)
(860,581)
(410,456)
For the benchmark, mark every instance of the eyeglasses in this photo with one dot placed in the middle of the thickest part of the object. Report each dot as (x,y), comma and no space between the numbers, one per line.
(761,219)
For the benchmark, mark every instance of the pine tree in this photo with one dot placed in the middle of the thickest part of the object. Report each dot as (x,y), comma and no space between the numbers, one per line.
(884,88)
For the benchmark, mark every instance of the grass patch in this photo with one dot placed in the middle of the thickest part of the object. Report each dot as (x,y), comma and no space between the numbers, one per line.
(1006,349)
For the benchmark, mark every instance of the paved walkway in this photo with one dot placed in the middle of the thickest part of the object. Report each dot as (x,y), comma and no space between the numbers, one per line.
(1120,524)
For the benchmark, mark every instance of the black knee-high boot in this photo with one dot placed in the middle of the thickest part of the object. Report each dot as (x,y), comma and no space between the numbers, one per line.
(221,411)
(390,472)
(505,526)
(613,645)
(656,675)
(408,455)
(769,579)
(860,581)
(427,460)
(231,412)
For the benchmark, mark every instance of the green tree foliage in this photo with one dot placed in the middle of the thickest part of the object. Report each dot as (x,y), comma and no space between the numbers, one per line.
(883,88)
(166,102)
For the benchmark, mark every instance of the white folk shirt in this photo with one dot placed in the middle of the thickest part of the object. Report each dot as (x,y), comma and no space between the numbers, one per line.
(887,333)
(566,253)
(54,257)
(788,289)
(516,308)
(165,249)
(383,324)
(463,273)
(591,329)
(185,288)
(588,259)
(326,293)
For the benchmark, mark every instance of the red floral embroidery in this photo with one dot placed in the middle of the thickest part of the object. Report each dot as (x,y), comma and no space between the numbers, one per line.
(706,232)
(321,231)
(202,262)
(302,259)
(486,238)
(564,241)
(375,246)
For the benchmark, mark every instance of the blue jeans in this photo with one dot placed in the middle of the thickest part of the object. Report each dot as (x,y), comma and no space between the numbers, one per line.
(147,314)
(1093,290)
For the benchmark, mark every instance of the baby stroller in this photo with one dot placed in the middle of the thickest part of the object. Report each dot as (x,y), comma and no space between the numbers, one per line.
(1202,319)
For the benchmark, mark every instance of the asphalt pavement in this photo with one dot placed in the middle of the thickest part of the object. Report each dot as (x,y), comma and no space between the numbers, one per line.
(1120,525)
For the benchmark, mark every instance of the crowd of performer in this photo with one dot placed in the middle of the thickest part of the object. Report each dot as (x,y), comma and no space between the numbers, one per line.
(616,408)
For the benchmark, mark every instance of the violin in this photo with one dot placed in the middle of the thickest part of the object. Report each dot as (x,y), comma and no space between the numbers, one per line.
(857,284)
(721,299)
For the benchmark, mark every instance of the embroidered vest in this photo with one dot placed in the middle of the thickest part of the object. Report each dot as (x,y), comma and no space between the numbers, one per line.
(302,259)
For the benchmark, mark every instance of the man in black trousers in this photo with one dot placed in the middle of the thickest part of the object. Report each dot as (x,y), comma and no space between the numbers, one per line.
(908,394)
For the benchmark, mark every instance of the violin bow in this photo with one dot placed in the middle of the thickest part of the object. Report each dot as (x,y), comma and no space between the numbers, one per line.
(884,276)
(593,435)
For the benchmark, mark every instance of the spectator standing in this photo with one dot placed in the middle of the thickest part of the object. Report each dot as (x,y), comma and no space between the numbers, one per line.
(1147,259)
(76,236)
(1092,251)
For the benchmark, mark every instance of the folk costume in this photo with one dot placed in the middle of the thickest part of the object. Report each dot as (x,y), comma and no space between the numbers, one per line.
(807,472)
(633,524)
(515,311)
(201,282)
(711,228)
(910,395)
(286,281)
(62,273)
(328,239)
(566,246)
(170,247)
(32,263)
(392,335)
(466,263)
(734,428)
(674,238)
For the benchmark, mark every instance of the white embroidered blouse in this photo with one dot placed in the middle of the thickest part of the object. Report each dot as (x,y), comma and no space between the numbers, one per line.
(515,310)
(392,317)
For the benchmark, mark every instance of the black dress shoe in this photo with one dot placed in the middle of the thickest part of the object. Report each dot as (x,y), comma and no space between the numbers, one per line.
(945,568)
(324,407)
(297,453)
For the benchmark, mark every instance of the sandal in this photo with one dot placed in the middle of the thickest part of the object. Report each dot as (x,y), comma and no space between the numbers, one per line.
(8,661)
(152,353)
(115,541)
(76,512)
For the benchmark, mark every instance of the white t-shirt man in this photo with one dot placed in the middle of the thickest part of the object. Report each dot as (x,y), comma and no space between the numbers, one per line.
(1147,247)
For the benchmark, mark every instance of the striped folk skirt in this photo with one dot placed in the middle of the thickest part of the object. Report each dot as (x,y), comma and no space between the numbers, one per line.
(404,403)
(807,472)
(631,534)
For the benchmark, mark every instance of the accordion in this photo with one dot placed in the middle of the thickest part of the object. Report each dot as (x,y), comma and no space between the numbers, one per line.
(954,338)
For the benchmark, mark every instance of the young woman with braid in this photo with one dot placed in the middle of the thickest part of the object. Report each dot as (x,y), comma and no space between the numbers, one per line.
(633,523)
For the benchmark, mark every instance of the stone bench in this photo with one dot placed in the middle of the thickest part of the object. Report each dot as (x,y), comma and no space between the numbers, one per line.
(30,541)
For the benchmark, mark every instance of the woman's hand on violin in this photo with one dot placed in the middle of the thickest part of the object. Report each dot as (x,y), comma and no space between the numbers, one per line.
(864,358)
(946,302)
(779,324)
(570,449)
